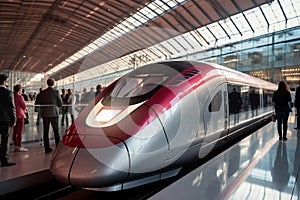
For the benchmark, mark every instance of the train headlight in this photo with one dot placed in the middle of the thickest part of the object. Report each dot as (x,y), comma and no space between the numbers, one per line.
(106,115)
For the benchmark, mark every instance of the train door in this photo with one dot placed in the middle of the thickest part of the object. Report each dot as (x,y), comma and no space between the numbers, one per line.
(215,115)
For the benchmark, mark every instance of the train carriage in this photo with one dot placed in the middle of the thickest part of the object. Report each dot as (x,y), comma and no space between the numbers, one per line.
(151,122)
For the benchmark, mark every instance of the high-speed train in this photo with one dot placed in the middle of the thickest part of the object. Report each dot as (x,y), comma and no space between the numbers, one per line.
(151,122)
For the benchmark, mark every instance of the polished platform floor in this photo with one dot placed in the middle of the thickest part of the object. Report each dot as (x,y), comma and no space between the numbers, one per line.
(258,167)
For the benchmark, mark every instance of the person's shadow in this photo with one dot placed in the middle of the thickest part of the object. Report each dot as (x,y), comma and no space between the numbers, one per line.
(280,171)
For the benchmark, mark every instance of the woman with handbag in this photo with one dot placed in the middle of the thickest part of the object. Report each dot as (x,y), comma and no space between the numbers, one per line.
(21,109)
(282,98)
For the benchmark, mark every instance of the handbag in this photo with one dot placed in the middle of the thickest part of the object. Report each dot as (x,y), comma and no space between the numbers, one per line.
(36,109)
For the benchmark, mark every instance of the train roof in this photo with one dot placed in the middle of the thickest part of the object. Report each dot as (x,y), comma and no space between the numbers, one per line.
(231,75)
(237,77)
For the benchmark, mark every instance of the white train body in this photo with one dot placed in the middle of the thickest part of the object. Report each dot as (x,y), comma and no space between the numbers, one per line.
(152,121)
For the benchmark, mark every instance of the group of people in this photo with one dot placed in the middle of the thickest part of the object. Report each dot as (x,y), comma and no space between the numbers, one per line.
(87,97)
(12,116)
(283,100)
(13,112)
(69,100)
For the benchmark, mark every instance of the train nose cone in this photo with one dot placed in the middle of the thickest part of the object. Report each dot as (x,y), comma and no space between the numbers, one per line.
(93,166)
(99,167)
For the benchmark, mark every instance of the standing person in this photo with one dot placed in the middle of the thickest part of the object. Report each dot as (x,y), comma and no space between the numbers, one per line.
(254,102)
(281,98)
(7,119)
(37,108)
(71,102)
(235,103)
(25,96)
(21,109)
(83,100)
(64,108)
(50,100)
(293,95)
(98,89)
(297,105)
(89,96)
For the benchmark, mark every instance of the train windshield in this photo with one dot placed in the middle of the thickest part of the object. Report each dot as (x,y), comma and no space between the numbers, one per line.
(137,85)
(141,83)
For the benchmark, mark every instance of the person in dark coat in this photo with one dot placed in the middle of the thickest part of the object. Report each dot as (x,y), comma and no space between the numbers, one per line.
(7,119)
(50,100)
(297,105)
(37,107)
(98,89)
(282,98)
(235,104)
(64,109)
(254,102)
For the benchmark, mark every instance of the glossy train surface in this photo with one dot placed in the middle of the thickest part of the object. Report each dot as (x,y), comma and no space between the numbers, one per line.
(152,121)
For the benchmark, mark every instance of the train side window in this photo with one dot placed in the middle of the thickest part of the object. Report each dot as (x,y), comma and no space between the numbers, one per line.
(215,103)
(267,98)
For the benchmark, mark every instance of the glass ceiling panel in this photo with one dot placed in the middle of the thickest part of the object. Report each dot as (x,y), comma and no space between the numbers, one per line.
(206,34)
(147,12)
(171,3)
(88,49)
(229,27)
(217,30)
(184,46)
(100,41)
(78,54)
(114,33)
(64,63)
(84,51)
(273,13)
(120,30)
(128,25)
(289,9)
(296,5)
(169,47)
(190,37)
(93,46)
(161,5)
(158,51)
(241,23)
(143,18)
(132,21)
(69,60)
(199,37)
(156,8)
(123,28)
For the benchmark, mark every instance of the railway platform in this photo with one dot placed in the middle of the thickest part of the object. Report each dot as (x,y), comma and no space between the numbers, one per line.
(258,167)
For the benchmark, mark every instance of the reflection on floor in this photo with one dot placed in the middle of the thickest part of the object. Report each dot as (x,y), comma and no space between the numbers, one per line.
(258,167)
(33,166)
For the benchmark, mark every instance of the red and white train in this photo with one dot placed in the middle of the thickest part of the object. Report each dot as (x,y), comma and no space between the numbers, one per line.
(154,120)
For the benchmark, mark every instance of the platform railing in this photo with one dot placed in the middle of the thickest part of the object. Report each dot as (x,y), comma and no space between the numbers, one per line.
(33,130)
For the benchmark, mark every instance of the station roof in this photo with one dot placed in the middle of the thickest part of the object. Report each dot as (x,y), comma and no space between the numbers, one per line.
(55,36)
